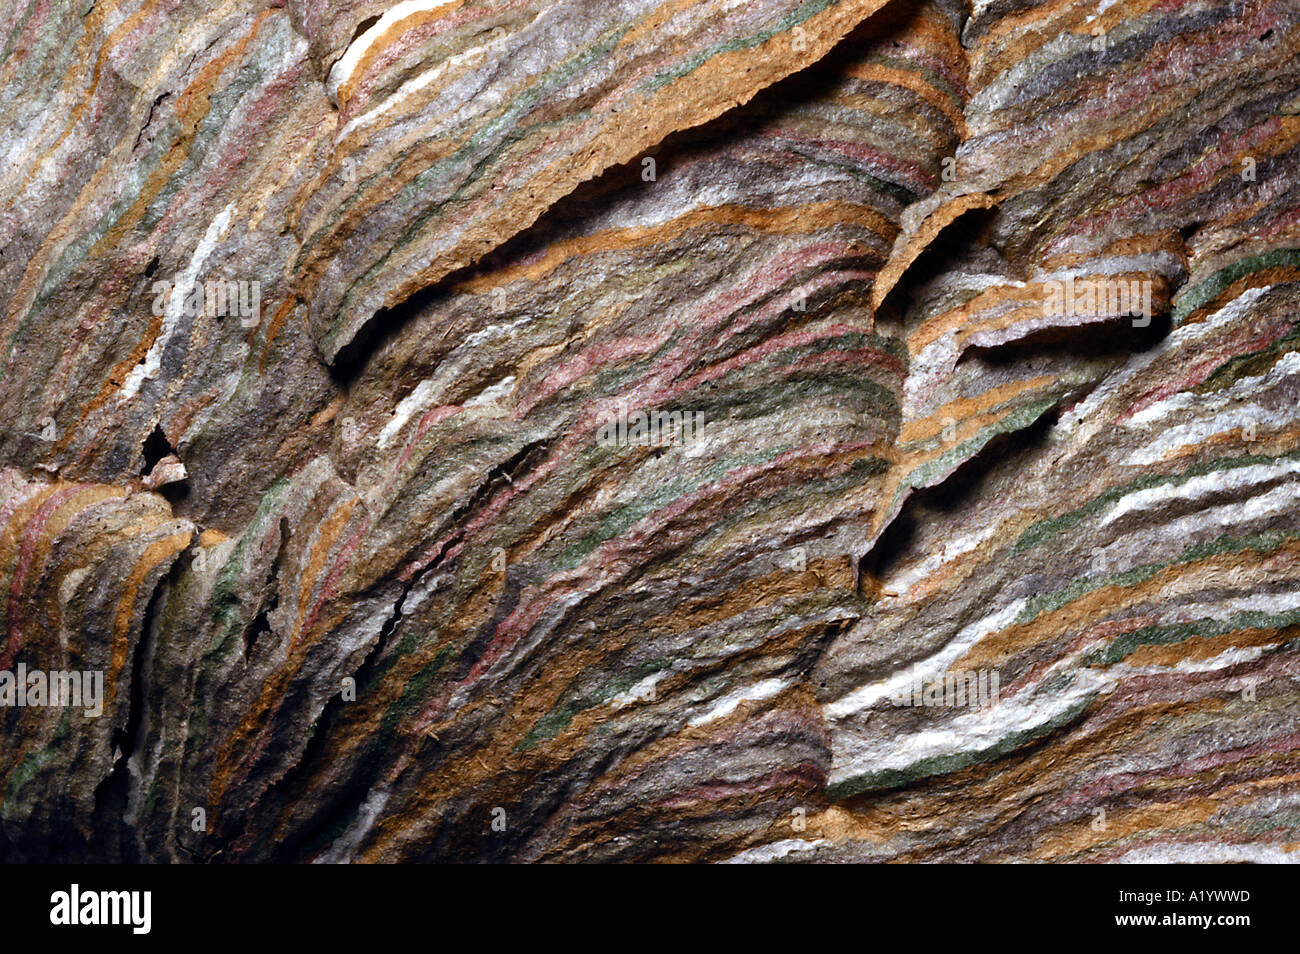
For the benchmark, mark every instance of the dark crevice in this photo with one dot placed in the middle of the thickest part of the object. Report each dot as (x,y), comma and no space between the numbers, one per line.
(956,241)
(156,447)
(932,507)
(175,493)
(384,326)
(953,491)
(362,27)
(149,119)
(941,501)
(345,801)
(503,474)
(1110,338)
(112,795)
(892,544)
(261,625)
(500,476)
(571,214)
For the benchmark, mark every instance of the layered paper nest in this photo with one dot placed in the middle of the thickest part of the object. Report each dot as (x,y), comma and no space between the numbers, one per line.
(651,430)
